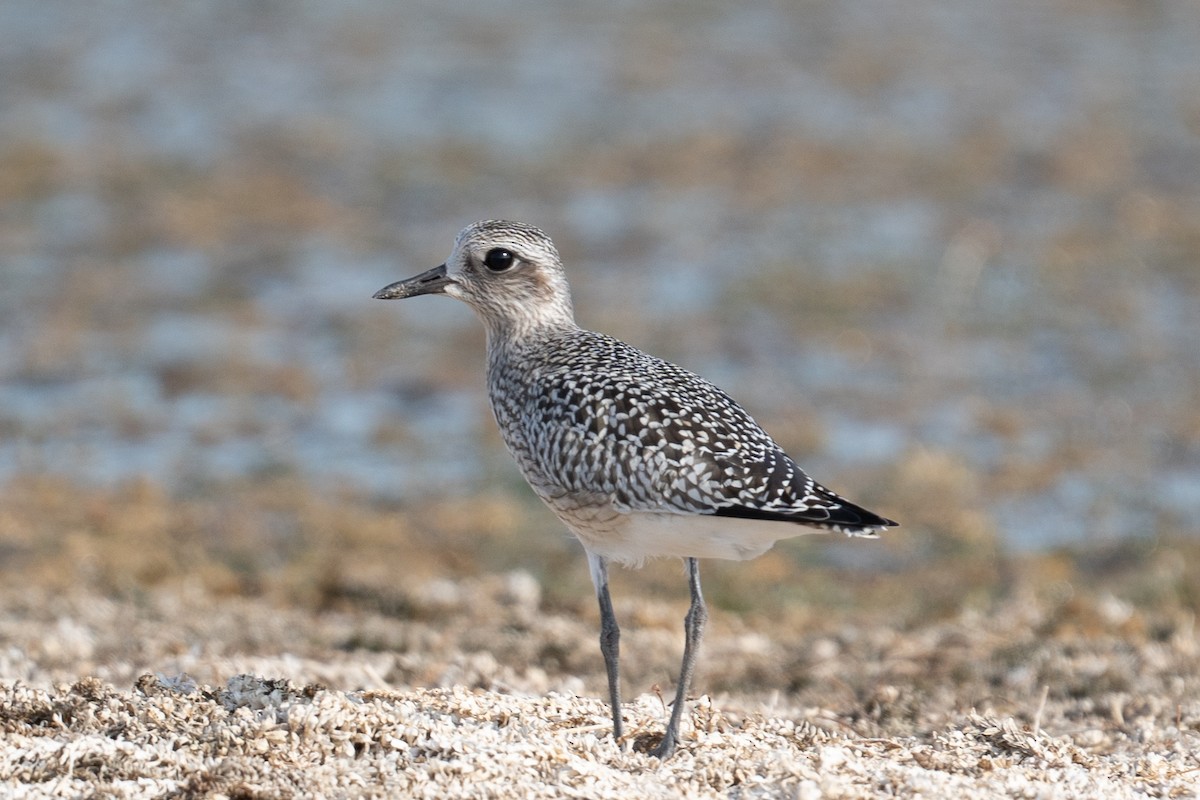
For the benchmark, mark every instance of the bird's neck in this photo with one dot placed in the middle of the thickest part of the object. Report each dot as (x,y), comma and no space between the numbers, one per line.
(509,339)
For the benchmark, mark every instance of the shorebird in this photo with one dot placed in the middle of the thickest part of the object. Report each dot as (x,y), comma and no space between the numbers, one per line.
(638,457)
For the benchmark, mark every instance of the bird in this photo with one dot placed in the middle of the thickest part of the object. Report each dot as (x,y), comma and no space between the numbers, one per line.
(638,457)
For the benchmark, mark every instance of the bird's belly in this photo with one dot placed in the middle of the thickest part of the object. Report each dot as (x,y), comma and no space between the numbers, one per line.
(631,538)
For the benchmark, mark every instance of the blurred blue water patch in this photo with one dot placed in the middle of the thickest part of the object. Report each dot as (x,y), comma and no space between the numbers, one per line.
(854,440)
(1179,492)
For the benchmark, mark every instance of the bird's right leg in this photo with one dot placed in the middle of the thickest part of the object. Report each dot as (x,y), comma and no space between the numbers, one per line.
(610,639)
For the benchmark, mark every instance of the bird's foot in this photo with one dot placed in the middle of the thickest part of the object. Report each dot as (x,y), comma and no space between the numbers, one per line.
(665,749)
(661,747)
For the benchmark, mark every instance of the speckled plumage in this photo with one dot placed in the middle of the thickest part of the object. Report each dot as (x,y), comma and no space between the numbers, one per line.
(638,457)
(605,433)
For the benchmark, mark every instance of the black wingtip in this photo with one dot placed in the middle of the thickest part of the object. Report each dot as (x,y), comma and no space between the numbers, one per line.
(844,518)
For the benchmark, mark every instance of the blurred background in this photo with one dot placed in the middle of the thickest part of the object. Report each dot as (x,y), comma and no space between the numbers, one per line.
(948,253)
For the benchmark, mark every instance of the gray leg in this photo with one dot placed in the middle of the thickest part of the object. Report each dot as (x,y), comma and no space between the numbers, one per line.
(693,630)
(610,640)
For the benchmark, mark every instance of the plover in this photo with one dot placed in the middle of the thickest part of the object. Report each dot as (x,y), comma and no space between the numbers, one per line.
(638,457)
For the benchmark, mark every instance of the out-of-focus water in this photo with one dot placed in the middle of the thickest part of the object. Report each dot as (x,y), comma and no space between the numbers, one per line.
(197,201)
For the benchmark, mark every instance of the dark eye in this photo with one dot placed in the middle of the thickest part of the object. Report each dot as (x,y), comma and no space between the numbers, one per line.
(498,259)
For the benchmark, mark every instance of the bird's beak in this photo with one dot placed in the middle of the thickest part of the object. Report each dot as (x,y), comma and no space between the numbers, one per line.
(432,281)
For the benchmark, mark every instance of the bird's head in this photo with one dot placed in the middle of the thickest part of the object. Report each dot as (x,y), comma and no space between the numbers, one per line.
(509,272)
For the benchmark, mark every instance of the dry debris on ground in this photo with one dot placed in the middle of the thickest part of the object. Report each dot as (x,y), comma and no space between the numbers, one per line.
(175,693)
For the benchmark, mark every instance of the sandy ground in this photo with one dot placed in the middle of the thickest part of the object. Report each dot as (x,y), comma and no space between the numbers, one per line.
(480,690)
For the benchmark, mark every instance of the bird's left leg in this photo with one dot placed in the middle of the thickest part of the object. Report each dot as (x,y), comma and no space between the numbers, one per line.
(693,630)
